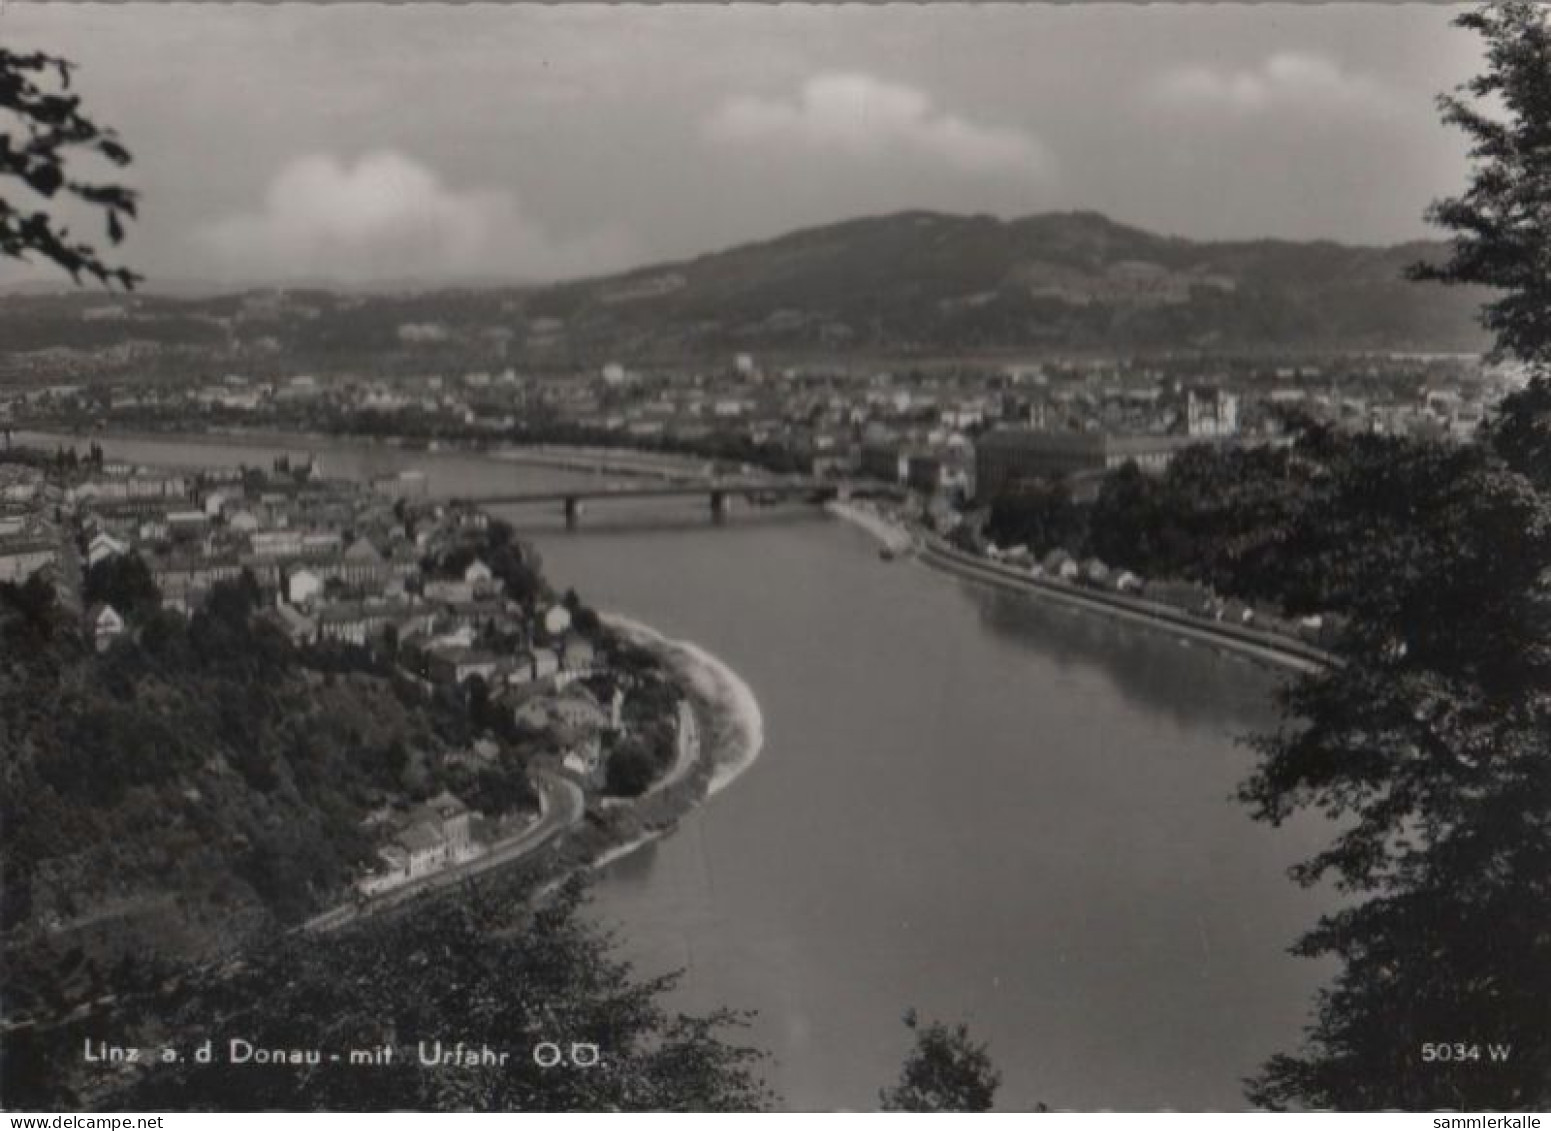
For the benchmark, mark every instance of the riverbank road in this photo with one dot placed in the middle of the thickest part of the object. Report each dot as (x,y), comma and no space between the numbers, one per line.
(561,805)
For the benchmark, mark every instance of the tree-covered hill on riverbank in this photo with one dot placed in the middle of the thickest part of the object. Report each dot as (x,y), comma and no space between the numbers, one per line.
(1319,526)
(190,787)
(483,966)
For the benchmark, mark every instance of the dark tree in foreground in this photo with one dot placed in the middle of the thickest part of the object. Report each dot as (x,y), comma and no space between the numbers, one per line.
(476,967)
(1501,223)
(946,1071)
(45,130)
(1431,747)
(1431,743)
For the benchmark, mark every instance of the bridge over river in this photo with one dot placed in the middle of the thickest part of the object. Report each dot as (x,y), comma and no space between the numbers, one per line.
(717,492)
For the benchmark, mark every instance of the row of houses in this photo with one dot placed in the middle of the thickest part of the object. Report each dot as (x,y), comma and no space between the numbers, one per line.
(29,535)
(1188,597)
(295,540)
(122,481)
(454,658)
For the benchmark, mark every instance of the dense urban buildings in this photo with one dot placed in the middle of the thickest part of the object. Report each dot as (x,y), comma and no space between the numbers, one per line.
(907,423)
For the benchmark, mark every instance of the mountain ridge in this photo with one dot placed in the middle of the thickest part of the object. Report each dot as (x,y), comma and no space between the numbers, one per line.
(932,280)
(910,283)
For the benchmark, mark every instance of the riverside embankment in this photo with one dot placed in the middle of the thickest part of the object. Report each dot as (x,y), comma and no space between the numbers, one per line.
(898,538)
(719,738)
(892,537)
(1264,647)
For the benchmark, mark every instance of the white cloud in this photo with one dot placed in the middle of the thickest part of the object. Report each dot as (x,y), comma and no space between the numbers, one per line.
(1287,80)
(389,217)
(862,117)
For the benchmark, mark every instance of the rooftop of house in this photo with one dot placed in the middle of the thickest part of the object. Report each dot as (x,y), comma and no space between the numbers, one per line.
(101,610)
(344,611)
(447,804)
(421,836)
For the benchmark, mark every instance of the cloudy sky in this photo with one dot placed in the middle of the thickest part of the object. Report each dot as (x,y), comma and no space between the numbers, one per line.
(366,142)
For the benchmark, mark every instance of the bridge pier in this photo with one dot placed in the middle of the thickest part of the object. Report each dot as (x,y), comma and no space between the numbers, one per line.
(718,507)
(573,512)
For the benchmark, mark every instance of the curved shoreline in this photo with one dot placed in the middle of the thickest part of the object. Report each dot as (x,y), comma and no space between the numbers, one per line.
(731,728)
(720,687)
(889,535)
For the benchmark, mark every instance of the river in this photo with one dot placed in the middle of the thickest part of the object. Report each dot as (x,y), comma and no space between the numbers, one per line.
(969,802)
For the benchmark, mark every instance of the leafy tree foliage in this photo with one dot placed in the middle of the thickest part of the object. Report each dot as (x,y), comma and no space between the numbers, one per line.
(1230,518)
(1039,514)
(1502,221)
(1521,430)
(46,129)
(123,581)
(502,788)
(475,966)
(1431,744)
(515,564)
(32,614)
(1225,517)
(946,1070)
(207,758)
(1125,522)
(631,769)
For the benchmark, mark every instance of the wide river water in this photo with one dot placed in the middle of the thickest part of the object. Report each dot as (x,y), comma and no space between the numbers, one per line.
(988,808)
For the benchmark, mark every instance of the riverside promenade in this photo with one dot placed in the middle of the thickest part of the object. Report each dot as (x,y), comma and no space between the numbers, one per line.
(1264,647)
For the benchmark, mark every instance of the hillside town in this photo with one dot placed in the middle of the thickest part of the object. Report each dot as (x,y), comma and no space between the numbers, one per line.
(438,590)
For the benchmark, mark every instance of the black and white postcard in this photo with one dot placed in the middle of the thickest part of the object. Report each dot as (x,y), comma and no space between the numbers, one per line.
(795,557)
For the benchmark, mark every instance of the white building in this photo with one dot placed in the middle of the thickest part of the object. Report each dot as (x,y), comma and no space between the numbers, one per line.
(302,586)
(105,625)
(1212,414)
